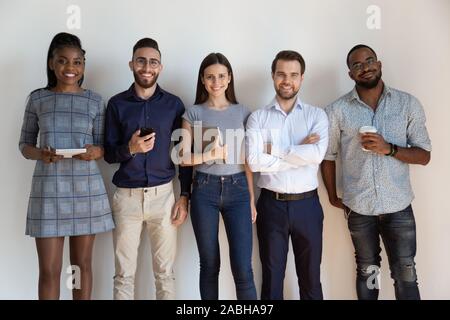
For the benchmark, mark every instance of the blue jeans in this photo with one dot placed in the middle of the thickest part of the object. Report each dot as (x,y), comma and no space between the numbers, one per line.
(398,232)
(228,195)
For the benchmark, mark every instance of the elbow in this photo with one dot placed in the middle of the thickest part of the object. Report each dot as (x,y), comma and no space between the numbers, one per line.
(111,155)
(107,157)
(23,150)
(252,163)
(426,159)
(23,153)
(316,159)
(185,159)
(325,163)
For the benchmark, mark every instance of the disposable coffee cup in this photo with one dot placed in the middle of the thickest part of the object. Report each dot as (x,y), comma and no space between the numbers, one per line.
(366,129)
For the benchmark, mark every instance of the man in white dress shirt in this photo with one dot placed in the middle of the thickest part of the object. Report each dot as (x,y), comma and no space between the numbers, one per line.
(286,142)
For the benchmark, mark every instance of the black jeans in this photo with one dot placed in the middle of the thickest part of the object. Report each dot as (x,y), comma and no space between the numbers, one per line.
(398,232)
(302,221)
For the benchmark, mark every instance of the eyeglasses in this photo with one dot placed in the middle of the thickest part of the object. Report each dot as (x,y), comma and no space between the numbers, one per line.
(361,65)
(142,62)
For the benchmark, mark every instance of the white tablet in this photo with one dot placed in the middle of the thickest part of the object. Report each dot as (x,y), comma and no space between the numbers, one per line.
(69,153)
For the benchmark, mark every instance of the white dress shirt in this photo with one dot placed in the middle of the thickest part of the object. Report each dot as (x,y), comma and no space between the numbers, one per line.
(291,167)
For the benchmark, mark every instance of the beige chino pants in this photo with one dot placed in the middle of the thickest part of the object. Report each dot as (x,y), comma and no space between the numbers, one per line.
(134,209)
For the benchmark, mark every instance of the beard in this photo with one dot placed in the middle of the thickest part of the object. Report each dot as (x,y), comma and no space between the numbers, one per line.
(285,96)
(145,83)
(371,83)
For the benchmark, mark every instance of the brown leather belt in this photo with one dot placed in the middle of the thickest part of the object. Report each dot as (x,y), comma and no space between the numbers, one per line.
(291,196)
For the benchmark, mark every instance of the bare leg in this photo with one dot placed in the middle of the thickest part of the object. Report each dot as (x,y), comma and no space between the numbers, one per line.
(50,253)
(81,256)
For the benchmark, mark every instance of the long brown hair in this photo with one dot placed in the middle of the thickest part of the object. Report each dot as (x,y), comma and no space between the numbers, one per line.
(201,95)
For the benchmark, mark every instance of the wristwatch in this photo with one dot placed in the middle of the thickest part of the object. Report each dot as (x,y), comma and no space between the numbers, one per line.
(394,150)
(185,194)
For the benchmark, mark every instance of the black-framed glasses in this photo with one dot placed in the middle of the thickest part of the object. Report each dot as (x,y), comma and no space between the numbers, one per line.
(361,65)
(142,62)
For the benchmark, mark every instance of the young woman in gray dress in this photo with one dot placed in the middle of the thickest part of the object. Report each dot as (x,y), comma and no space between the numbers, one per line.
(68,196)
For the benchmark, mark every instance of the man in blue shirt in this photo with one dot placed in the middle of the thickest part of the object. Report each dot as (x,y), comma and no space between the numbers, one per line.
(144,195)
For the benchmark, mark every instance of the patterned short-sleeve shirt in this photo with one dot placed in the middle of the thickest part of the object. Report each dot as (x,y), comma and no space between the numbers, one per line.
(374,184)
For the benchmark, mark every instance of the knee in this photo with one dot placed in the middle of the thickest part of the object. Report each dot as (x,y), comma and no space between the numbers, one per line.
(244,275)
(83,263)
(50,272)
(242,269)
(367,270)
(404,271)
(210,266)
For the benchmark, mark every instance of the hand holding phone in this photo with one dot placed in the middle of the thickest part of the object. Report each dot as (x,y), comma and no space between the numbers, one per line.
(146,131)
(138,145)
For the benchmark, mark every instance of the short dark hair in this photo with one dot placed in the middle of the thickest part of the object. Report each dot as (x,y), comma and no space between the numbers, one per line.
(146,43)
(201,96)
(289,55)
(359,46)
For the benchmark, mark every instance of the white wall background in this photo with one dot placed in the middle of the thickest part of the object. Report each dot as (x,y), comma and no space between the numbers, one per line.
(413,44)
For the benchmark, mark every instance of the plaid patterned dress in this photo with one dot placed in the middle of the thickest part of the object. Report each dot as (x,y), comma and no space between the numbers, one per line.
(68,198)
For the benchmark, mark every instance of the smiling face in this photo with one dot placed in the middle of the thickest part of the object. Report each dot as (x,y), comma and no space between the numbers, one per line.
(365,69)
(287,78)
(216,78)
(146,66)
(68,65)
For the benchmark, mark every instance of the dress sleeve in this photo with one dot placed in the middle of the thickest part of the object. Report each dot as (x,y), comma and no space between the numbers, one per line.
(30,126)
(98,131)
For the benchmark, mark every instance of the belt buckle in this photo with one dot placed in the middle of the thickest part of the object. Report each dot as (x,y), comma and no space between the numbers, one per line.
(277,196)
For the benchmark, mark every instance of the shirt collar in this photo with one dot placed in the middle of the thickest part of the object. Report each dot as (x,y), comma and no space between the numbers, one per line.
(354,94)
(275,105)
(131,93)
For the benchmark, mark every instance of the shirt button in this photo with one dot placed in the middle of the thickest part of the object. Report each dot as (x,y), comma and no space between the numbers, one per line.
(145,190)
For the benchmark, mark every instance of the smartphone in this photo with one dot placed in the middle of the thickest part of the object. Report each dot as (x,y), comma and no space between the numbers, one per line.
(146,132)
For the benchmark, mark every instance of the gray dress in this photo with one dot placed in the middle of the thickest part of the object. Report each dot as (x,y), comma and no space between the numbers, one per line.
(68,198)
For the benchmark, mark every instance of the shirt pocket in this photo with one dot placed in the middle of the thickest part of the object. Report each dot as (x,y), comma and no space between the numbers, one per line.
(394,129)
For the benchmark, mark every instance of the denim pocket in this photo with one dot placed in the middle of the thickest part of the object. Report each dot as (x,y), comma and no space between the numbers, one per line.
(240,183)
(347,212)
(199,181)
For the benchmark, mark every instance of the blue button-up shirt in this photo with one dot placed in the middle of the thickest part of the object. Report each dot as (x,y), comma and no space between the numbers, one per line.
(374,184)
(126,113)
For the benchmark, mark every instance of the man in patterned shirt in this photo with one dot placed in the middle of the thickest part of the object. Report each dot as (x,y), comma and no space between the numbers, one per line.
(377,193)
